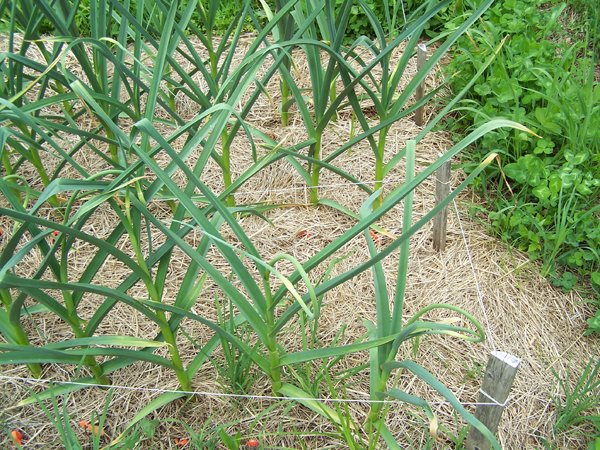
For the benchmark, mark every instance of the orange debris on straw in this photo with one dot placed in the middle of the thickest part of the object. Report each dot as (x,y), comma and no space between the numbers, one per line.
(252,443)
(94,429)
(303,233)
(17,436)
(375,237)
(181,442)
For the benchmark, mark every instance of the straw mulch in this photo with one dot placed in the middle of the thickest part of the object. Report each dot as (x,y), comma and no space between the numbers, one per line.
(521,312)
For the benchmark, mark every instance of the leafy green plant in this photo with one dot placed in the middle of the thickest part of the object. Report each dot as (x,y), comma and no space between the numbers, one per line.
(139,161)
(283,33)
(318,111)
(387,102)
(390,323)
(97,430)
(594,324)
(260,314)
(97,95)
(579,399)
(590,20)
(544,195)
(237,366)
(60,418)
(316,20)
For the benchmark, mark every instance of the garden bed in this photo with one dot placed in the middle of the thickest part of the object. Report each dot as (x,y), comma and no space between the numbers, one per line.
(521,313)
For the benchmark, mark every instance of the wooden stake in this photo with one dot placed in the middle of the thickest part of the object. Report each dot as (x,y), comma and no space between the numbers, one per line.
(442,189)
(421,60)
(499,376)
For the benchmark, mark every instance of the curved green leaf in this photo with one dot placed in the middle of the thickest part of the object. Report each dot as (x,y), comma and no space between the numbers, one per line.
(432,381)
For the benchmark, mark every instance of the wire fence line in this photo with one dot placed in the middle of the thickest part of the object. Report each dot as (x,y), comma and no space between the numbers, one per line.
(34,381)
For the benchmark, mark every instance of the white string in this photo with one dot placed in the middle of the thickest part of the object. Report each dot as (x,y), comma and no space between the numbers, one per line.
(225,395)
(496,402)
(477,286)
(474,272)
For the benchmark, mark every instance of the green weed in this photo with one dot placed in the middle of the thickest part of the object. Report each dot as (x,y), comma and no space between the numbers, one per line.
(128,87)
(544,196)
(578,402)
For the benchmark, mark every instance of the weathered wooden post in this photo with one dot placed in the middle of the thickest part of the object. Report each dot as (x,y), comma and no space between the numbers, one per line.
(442,189)
(421,60)
(497,382)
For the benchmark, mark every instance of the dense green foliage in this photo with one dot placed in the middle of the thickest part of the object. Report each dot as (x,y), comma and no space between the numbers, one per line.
(543,198)
(106,117)
(577,406)
(226,15)
(590,20)
(392,17)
